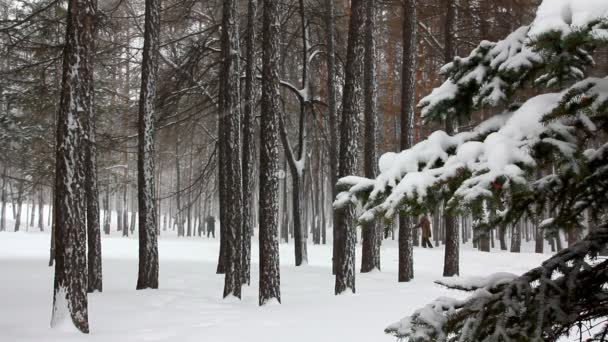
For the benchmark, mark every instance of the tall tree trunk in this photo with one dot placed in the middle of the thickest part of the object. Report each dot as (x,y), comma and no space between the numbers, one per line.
(502,232)
(70,285)
(516,237)
(40,209)
(92,193)
(33,211)
(370,252)
(248,142)
(332,114)
(349,134)
(147,276)
(452,242)
(230,108)
(178,191)
(408,98)
(19,206)
(107,218)
(270,279)
(3,199)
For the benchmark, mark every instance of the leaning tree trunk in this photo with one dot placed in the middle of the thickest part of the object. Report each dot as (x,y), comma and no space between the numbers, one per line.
(370,251)
(147,276)
(452,242)
(349,135)
(230,109)
(408,96)
(248,142)
(70,285)
(270,279)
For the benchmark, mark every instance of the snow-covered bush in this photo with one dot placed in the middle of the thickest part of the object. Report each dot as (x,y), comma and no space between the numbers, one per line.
(531,156)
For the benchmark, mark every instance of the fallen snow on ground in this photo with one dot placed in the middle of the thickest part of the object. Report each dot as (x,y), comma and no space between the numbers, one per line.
(188,306)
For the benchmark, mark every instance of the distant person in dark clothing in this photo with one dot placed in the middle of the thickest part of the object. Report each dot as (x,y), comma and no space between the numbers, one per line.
(210,226)
(201,228)
(425,224)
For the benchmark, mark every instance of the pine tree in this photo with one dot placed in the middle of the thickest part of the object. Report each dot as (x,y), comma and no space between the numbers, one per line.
(70,285)
(270,280)
(148,226)
(498,162)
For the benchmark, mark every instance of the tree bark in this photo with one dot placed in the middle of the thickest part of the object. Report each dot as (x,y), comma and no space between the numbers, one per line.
(232,168)
(40,209)
(516,238)
(269,154)
(370,251)
(349,135)
(408,99)
(332,114)
(147,276)
(248,141)
(3,199)
(70,285)
(92,193)
(452,243)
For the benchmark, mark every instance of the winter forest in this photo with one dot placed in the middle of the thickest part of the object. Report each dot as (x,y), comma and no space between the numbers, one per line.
(303,170)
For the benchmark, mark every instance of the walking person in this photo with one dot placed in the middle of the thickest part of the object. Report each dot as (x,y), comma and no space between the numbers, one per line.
(425,224)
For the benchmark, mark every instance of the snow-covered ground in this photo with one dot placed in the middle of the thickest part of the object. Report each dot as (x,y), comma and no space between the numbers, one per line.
(189,307)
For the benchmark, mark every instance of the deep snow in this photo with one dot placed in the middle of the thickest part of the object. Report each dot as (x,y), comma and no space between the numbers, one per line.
(188,306)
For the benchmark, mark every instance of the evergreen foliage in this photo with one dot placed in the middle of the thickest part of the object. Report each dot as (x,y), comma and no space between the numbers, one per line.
(497,164)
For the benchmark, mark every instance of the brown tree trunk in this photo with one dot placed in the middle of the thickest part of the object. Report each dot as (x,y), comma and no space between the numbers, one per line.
(349,135)
(269,146)
(70,285)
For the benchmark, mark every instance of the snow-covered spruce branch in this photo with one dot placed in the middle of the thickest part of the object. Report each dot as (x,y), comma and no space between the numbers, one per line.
(494,71)
(540,305)
(499,154)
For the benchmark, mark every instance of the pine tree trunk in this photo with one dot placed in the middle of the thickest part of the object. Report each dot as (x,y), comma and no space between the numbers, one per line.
(370,253)
(232,168)
(70,285)
(269,154)
(248,141)
(3,199)
(33,210)
(40,209)
(332,114)
(406,250)
(178,195)
(92,196)
(516,238)
(451,240)
(147,276)
(502,231)
(349,134)
(408,96)
(19,206)
(107,218)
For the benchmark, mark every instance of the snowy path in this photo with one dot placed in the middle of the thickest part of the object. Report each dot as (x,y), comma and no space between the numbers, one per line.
(188,307)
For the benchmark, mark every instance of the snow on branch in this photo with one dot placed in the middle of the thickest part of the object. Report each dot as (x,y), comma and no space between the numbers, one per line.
(494,71)
(497,153)
(542,304)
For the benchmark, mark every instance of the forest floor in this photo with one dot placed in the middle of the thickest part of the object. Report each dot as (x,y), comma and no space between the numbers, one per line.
(189,307)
